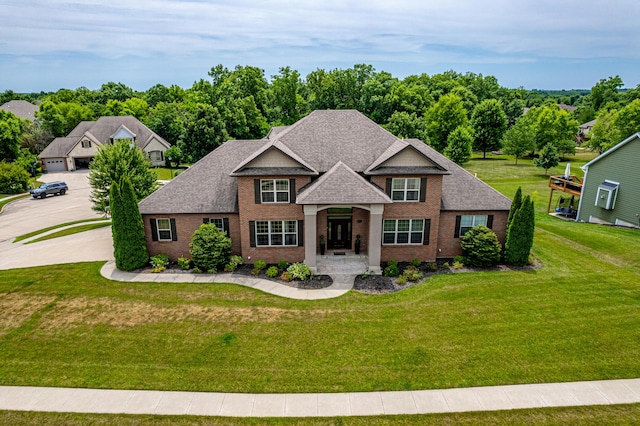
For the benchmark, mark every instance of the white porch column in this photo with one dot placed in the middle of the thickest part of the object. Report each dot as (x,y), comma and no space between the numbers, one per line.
(375,237)
(310,218)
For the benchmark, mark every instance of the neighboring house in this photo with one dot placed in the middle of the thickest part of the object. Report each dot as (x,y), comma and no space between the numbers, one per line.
(567,107)
(333,173)
(77,149)
(23,109)
(611,188)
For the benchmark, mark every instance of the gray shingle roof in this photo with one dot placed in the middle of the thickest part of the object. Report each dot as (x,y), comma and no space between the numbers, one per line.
(22,109)
(205,187)
(341,185)
(59,147)
(460,189)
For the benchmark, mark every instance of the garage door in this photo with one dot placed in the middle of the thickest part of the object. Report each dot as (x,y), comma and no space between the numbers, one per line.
(55,164)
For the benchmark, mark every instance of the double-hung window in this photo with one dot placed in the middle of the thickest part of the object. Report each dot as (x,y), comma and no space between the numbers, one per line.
(276,233)
(274,190)
(405,189)
(86,144)
(468,222)
(163,227)
(402,231)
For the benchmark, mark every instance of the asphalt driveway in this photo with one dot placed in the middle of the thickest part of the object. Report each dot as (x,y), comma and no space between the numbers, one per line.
(29,214)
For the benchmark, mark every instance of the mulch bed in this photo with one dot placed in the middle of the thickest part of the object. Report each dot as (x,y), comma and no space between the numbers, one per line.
(314,283)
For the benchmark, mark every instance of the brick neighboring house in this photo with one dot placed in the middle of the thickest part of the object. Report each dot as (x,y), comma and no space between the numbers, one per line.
(333,173)
(77,149)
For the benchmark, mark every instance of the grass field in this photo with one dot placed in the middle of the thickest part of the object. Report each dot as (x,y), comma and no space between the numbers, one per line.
(576,318)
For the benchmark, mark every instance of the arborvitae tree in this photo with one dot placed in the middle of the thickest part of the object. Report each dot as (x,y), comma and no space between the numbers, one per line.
(520,234)
(459,145)
(130,249)
(548,158)
(515,205)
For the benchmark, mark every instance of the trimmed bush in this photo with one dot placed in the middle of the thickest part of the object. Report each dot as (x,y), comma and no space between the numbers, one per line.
(272,272)
(160,259)
(415,262)
(283,264)
(520,235)
(286,276)
(481,247)
(260,265)
(391,270)
(210,247)
(13,179)
(184,263)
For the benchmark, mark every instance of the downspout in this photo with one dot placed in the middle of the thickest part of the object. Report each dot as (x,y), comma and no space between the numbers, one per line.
(585,169)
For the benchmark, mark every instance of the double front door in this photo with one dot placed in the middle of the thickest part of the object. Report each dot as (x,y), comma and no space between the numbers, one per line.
(339,233)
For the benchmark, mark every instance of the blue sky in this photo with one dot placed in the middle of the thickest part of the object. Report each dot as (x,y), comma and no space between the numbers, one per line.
(537,44)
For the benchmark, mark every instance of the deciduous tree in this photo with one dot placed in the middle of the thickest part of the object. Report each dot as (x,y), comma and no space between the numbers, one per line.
(489,123)
(459,145)
(442,118)
(548,158)
(11,128)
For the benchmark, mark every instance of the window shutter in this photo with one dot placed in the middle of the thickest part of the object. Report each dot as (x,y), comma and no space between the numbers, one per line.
(225,225)
(388,190)
(174,234)
(490,221)
(427,231)
(423,190)
(154,229)
(205,220)
(256,190)
(292,191)
(456,233)
(300,233)
(252,233)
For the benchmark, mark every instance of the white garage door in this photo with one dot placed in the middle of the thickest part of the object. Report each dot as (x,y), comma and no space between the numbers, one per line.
(55,165)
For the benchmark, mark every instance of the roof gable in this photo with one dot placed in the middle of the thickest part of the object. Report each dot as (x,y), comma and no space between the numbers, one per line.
(403,157)
(273,158)
(341,185)
(123,133)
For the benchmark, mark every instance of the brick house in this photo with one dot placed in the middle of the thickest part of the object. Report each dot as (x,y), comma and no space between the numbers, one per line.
(334,174)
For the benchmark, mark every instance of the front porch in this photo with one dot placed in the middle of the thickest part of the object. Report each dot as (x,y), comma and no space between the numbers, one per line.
(348,263)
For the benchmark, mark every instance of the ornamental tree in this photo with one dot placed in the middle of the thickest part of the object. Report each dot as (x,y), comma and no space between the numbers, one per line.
(129,245)
(210,248)
(112,163)
(481,247)
(548,158)
(519,238)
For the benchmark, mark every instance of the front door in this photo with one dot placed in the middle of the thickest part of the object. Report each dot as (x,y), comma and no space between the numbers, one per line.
(339,234)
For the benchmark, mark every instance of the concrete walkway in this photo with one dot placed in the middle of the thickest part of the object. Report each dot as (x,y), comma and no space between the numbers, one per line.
(342,283)
(489,398)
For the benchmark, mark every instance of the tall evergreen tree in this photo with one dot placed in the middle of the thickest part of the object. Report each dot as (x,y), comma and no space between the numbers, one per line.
(520,234)
(515,205)
(130,250)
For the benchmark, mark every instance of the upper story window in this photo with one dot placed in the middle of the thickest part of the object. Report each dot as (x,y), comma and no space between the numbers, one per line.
(468,222)
(405,189)
(274,190)
(86,144)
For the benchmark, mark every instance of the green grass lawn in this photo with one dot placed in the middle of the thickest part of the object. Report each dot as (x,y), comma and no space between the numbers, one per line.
(43,230)
(70,231)
(4,201)
(576,318)
(594,415)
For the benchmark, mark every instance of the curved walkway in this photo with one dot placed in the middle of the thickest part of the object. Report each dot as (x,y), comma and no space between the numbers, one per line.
(342,283)
(490,398)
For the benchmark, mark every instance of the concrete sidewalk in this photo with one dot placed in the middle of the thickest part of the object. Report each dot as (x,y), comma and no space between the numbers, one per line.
(489,398)
(342,283)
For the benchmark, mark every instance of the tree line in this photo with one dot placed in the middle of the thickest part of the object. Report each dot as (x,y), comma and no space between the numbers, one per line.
(453,112)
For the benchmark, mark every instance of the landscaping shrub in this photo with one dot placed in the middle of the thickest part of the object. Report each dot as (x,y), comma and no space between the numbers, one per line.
(481,247)
(458,259)
(13,179)
(457,265)
(282,265)
(401,280)
(520,235)
(300,271)
(431,266)
(415,262)
(260,264)
(159,259)
(210,247)
(272,272)
(286,276)
(412,274)
(391,270)
(233,264)
(184,263)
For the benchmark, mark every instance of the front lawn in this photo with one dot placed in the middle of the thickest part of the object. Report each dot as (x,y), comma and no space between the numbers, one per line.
(574,319)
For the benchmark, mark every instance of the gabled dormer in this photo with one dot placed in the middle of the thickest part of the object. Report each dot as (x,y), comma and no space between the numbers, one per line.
(403,158)
(274,159)
(123,133)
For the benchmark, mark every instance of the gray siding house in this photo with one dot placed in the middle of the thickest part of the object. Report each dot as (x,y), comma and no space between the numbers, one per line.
(77,149)
(611,190)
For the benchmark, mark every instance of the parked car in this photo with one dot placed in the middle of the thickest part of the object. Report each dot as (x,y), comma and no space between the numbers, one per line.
(55,188)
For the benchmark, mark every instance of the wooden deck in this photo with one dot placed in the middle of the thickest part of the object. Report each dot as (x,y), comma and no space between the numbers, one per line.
(567,184)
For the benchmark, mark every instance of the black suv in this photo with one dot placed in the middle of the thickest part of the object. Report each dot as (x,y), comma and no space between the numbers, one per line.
(56,188)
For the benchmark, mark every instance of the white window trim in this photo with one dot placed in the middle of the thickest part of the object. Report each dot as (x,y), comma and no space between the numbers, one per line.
(158,229)
(611,197)
(405,190)
(474,219)
(275,191)
(216,219)
(283,233)
(395,232)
